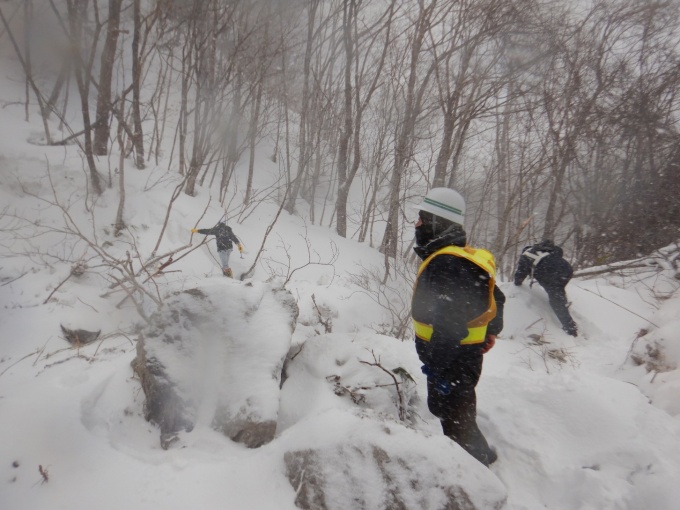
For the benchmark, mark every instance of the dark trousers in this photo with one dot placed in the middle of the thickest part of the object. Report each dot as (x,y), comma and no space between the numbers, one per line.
(557,297)
(457,410)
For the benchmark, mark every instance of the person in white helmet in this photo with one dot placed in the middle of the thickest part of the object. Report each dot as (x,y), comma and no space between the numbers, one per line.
(457,312)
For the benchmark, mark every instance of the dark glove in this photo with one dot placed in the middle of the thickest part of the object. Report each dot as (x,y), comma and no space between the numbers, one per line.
(441,386)
(518,283)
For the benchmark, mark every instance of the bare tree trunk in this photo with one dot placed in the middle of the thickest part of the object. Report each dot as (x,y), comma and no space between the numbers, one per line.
(108,57)
(349,11)
(28,14)
(200,39)
(254,120)
(138,140)
(286,124)
(77,13)
(445,150)
(304,110)
(44,110)
(361,98)
(184,108)
(120,223)
(64,73)
(405,131)
(503,176)
(232,155)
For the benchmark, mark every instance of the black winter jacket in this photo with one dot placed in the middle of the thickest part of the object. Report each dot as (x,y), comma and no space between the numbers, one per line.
(550,271)
(450,292)
(224,236)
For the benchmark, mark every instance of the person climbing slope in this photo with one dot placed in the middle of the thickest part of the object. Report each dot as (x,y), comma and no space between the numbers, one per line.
(225,239)
(544,262)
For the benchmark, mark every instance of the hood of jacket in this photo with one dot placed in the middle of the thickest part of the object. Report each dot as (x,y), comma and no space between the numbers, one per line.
(453,236)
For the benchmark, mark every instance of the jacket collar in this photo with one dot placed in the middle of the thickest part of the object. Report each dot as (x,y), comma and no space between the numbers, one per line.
(454,236)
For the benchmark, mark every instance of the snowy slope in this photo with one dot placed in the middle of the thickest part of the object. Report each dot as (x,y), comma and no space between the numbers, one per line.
(576,423)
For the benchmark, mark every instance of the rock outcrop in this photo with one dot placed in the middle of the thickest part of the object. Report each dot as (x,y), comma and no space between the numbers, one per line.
(215,355)
(357,462)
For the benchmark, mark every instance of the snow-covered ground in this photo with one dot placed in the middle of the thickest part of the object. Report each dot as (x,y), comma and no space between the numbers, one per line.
(576,423)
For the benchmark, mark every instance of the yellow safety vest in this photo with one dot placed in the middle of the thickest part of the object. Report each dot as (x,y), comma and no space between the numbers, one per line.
(477,326)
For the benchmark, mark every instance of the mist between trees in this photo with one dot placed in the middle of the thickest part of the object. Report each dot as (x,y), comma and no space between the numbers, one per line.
(553,119)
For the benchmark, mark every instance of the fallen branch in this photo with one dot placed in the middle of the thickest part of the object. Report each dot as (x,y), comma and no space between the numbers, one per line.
(376,363)
(37,351)
(14,279)
(57,288)
(250,271)
(44,473)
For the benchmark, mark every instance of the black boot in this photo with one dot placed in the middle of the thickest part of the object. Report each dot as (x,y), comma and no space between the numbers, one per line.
(486,457)
(570,330)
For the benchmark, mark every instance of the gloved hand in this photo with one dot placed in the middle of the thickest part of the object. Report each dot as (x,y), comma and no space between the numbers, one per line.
(193,230)
(427,371)
(441,386)
(519,284)
(240,248)
(488,343)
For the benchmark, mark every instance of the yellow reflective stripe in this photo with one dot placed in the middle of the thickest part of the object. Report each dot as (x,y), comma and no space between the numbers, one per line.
(475,335)
(423,331)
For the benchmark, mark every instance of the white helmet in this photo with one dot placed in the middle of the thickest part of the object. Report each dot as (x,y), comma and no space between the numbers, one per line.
(445,203)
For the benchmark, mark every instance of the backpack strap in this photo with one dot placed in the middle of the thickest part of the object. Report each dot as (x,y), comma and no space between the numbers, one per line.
(536,257)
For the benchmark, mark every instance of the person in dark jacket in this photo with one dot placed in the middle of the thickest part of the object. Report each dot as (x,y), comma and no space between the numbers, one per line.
(457,312)
(225,239)
(544,262)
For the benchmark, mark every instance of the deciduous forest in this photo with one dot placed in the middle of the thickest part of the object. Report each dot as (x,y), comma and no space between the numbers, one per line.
(554,119)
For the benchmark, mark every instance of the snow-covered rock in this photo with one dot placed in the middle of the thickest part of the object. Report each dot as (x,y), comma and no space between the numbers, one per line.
(356,460)
(215,354)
